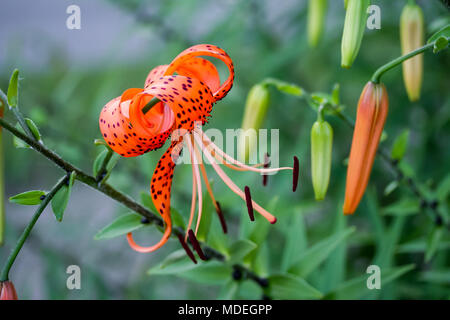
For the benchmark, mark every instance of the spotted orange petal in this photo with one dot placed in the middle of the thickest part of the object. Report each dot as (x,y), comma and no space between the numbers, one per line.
(183,60)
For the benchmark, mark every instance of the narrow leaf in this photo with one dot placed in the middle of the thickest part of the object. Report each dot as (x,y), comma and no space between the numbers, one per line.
(315,255)
(400,145)
(13,89)
(34,129)
(286,286)
(356,288)
(433,242)
(61,198)
(443,32)
(122,225)
(240,249)
(28,198)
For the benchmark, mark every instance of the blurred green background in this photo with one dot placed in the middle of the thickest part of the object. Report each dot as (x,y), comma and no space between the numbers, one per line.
(67,76)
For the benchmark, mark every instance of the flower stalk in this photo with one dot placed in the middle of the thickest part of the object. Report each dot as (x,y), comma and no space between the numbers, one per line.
(4,275)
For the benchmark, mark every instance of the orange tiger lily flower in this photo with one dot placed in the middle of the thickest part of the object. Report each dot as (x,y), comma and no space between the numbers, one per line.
(370,118)
(7,291)
(185,103)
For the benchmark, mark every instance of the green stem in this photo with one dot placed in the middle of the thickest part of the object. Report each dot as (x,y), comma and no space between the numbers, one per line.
(12,257)
(149,105)
(392,64)
(17,114)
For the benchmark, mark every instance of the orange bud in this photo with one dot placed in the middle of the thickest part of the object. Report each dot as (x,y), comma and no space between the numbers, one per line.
(7,291)
(370,119)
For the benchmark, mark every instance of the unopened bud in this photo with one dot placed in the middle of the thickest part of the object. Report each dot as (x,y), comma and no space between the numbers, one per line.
(255,111)
(321,149)
(7,291)
(354,25)
(316,19)
(411,36)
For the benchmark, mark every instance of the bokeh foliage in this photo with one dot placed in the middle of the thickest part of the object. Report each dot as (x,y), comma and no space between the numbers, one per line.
(313,251)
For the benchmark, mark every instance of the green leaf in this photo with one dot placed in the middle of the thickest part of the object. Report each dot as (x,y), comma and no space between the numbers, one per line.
(61,198)
(403,207)
(286,286)
(420,245)
(440,44)
(440,277)
(335,94)
(443,189)
(210,273)
(29,198)
(314,256)
(207,213)
(173,266)
(240,249)
(443,32)
(13,89)
(399,146)
(33,128)
(18,143)
(147,201)
(98,162)
(433,242)
(122,225)
(356,288)
(390,187)
(177,218)
(229,290)
(295,240)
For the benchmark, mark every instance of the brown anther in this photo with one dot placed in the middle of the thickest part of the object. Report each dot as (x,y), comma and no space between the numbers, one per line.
(295,174)
(266,165)
(223,223)
(186,248)
(248,200)
(196,245)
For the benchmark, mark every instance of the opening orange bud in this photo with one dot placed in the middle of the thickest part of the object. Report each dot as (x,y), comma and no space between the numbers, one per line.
(7,291)
(370,118)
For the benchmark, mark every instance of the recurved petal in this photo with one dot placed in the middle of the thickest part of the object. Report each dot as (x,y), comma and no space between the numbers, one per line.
(205,50)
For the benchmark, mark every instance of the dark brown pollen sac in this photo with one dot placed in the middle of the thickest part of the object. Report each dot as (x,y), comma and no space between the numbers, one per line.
(266,165)
(196,245)
(186,248)
(248,200)
(222,220)
(295,174)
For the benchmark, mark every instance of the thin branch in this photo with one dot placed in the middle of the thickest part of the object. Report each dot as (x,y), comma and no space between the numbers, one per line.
(12,257)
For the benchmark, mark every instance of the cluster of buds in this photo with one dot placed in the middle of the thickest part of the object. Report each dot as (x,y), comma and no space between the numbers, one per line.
(411,37)
(7,291)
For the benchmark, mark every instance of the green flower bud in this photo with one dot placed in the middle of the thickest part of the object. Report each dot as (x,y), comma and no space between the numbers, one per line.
(255,111)
(354,25)
(321,149)
(316,17)
(411,37)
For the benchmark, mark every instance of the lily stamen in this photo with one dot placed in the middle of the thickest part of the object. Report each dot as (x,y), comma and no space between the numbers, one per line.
(207,142)
(196,245)
(248,200)
(196,173)
(229,182)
